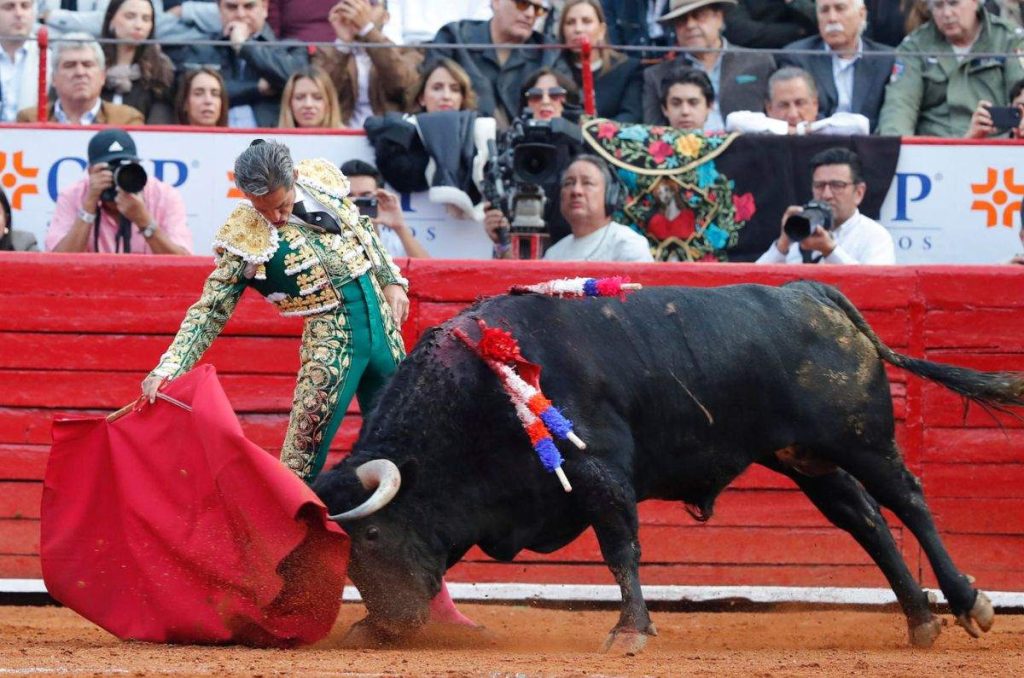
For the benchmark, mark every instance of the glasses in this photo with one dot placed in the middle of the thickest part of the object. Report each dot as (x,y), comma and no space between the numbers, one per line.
(536,94)
(539,8)
(835,185)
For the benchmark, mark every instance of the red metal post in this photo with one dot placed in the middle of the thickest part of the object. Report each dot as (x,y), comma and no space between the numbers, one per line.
(588,78)
(44,44)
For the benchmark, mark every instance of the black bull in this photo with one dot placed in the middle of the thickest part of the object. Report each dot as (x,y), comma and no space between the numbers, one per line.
(676,392)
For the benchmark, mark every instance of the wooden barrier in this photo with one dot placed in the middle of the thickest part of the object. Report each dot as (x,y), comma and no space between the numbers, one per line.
(79,332)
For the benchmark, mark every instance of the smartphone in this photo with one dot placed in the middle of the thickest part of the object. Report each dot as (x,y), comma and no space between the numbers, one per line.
(367,206)
(1005,117)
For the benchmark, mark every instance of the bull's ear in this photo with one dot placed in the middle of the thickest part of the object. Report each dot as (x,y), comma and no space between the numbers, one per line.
(410,471)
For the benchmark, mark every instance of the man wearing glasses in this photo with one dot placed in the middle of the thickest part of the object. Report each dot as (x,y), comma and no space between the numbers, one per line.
(498,73)
(836,180)
(976,56)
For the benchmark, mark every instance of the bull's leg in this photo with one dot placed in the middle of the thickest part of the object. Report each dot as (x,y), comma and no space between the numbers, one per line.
(845,503)
(608,501)
(889,481)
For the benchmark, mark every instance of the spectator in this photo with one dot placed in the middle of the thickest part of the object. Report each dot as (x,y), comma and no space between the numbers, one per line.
(307,20)
(686,98)
(253,72)
(618,85)
(546,93)
(739,78)
(982,125)
(10,239)
(368,81)
(202,99)
(80,16)
(792,108)
(78,72)
(365,183)
(309,100)
(851,71)
(936,96)
(92,215)
(443,86)
(588,199)
(769,24)
(886,21)
(636,23)
(19,58)
(837,180)
(138,75)
(497,74)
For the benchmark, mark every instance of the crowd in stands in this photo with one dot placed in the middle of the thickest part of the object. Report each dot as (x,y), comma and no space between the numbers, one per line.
(890,67)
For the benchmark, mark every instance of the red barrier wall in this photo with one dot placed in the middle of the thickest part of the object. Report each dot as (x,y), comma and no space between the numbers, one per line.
(78,333)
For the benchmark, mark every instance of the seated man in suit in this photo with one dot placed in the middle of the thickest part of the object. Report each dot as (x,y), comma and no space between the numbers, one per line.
(792,108)
(851,72)
(79,71)
(739,78)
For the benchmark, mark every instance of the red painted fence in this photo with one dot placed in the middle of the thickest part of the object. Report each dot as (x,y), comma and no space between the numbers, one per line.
(78,333)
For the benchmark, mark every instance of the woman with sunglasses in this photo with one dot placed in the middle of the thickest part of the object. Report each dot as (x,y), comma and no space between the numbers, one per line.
(547,92)
(618,85)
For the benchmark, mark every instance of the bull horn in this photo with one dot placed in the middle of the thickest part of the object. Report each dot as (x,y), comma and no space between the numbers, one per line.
(381,476)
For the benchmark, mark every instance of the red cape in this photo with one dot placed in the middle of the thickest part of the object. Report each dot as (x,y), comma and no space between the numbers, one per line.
(169,526)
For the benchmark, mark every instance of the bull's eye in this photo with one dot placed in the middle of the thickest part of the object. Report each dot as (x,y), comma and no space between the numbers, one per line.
(372,533)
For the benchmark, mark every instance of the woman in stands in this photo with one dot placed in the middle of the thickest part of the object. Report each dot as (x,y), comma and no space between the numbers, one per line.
(309,100)
(547,92)
(202,99)
(11,240)
(618,81)
(138,75)
(443,86)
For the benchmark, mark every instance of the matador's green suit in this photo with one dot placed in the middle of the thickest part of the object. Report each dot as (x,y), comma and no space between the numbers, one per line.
(350,342)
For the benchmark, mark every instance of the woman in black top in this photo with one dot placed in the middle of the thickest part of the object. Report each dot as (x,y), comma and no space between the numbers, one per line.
(618,83)
(11,240)
(140,76)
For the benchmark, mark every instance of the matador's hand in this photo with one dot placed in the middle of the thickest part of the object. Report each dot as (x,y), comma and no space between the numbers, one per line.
(398,301)
(151,385)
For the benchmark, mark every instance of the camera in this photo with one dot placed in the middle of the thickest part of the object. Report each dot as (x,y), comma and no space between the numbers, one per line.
(129,176)
(367,205)
(531,154)
(816,213)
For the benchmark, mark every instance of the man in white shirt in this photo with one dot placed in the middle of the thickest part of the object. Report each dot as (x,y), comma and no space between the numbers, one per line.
(792,108)
(19,58)
(589,196)
(836,180)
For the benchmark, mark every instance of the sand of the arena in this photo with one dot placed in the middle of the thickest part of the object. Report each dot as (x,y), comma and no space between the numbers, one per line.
(528,641)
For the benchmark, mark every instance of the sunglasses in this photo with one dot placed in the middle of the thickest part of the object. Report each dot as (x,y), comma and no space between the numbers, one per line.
(536,94)
(523,5)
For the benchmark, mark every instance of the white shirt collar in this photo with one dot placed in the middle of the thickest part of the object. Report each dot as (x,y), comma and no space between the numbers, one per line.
(88,118)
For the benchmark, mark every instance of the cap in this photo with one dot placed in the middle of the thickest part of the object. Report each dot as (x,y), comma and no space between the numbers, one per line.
(111,144)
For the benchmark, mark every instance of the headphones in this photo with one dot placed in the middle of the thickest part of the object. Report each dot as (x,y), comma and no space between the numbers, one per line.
(613,188)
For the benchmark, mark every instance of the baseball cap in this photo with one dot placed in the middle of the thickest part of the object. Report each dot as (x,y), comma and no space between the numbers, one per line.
(111,144)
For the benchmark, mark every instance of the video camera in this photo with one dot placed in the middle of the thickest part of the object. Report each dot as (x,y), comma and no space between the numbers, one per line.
(528,156)
(815,213)
(129,176)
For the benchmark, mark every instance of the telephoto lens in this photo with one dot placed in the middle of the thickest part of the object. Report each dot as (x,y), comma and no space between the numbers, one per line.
(800,226)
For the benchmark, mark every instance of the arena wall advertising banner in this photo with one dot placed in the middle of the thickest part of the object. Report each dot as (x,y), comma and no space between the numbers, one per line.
(949,202)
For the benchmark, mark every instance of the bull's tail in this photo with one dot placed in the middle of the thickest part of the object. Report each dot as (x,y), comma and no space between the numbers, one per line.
(999,389)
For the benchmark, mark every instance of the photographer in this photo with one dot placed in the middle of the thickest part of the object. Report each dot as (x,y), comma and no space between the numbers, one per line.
(117,208)
(366,189)
(831,229)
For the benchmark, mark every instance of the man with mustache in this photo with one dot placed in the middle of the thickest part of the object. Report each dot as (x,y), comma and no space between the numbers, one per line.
(851,71)
(976,56)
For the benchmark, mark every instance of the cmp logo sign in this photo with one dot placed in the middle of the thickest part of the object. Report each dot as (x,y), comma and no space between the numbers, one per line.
(16,178)
(999,200)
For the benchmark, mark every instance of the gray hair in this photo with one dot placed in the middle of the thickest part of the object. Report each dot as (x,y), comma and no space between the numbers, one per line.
(264,167)
(791,73)
(71,42)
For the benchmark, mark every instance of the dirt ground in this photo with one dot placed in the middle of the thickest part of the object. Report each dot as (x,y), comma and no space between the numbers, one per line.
(529,641)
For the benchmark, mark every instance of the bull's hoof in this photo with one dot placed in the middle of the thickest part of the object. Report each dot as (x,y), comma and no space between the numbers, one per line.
(627,642)
(979,618)
(924,635)
(366,634)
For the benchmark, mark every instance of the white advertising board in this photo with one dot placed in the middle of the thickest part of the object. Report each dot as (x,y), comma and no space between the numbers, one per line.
(949,203)
(36,164)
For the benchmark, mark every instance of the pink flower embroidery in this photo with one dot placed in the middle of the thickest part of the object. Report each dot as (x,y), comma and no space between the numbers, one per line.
(745,207)
(659,150)
(607,130)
